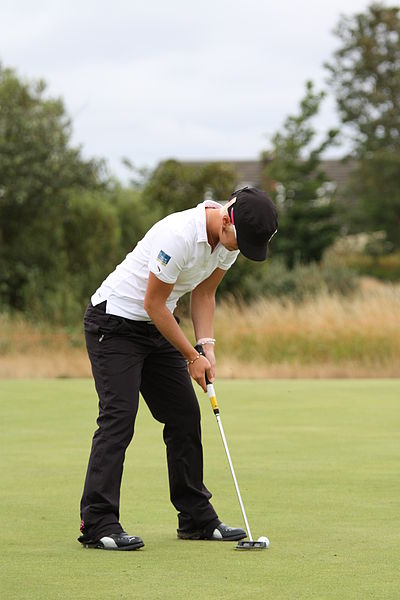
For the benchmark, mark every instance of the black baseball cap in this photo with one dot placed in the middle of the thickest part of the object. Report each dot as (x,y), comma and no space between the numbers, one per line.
(255,219)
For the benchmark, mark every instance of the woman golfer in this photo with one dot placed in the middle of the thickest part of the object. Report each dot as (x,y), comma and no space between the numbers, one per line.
(136,345)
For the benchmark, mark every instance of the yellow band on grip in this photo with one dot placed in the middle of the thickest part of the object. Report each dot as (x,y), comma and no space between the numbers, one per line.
(214,403)
(212,396)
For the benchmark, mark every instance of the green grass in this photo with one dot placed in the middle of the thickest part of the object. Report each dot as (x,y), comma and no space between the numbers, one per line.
(317,463)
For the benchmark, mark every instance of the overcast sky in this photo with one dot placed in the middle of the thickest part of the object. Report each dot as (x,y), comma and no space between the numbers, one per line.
(152,79)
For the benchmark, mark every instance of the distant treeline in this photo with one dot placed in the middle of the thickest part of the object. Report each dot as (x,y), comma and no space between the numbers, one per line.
(65,222)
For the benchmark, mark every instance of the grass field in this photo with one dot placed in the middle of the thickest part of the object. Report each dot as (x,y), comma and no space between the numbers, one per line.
(318,467)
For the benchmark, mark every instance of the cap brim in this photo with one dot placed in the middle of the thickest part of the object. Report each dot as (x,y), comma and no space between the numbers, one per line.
(258,253)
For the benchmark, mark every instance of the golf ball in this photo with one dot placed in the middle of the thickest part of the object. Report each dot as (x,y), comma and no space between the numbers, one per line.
(264,539)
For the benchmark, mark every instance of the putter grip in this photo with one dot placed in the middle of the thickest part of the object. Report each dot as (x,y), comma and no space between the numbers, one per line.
(210,387)
(201,351)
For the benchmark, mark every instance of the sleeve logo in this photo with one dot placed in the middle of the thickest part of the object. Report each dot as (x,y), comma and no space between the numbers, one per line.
(163,257)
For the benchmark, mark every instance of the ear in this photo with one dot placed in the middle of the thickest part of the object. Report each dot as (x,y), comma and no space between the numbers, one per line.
(225,221)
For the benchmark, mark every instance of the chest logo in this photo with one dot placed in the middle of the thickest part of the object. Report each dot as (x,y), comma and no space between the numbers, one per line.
(163,257)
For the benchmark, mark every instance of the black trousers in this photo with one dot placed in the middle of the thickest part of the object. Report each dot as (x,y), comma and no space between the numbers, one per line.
(128,357)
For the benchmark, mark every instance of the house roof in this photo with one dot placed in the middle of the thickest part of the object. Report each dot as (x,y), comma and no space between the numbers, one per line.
(249,172)
(338,171)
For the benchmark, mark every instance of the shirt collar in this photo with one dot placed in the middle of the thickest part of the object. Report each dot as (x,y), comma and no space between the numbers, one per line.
(201,223)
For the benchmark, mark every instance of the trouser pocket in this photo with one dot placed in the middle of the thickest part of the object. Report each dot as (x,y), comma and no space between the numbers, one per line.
(98,322)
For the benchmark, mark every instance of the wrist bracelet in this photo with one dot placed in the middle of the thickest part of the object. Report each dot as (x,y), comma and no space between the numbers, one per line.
(206,341)
(190,362)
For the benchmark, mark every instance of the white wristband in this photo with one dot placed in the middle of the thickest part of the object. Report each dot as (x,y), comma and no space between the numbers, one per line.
(206,341)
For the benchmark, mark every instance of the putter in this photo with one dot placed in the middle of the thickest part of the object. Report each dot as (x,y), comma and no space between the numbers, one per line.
(250,544)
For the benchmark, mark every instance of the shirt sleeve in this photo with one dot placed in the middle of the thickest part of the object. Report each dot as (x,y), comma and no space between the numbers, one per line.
(226,262)
(167,256)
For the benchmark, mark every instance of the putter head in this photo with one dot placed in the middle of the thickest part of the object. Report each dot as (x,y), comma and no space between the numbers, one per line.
(251,545)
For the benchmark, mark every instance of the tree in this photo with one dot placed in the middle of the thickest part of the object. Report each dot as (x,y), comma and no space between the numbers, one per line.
(365,77)
(299,187)
(174,186)
(38,171)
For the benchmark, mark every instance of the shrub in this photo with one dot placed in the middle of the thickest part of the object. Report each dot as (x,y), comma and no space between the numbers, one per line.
(274,279)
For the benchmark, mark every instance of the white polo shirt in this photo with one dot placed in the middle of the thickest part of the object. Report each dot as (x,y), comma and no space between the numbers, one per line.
(177,251)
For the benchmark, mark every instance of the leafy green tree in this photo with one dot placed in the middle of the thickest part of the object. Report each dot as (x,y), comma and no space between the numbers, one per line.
(91,243)
(307,223)
(38,171)
(218,180)
(174,186)
(365,77)
(134,217)
(171,187)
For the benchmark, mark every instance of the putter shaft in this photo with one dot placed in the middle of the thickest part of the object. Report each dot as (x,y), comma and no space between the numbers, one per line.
(214,404)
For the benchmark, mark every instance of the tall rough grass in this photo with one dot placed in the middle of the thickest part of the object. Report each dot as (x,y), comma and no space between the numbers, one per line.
(327,335)
(40,350)
(324,336)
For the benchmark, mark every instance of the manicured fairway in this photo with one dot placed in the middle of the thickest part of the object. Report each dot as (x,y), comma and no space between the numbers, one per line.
(318,463)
